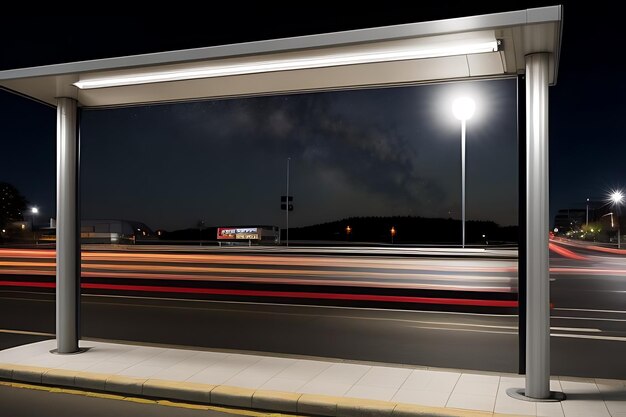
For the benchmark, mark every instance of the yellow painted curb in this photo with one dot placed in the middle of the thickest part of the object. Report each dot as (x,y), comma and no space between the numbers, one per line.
(169,403)
(232,396)
(28,373)
(276,400)
(124,384)
(321,405)
(68,391)
(90,380)
(352,407)
(105,396)
(6,371)
(139,400)
(62,377)
(186,391)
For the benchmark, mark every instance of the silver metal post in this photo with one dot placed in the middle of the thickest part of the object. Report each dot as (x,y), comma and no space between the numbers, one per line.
(537,223)
(587,217)
(463,123)
(67,228)
(537,209)
(287,211)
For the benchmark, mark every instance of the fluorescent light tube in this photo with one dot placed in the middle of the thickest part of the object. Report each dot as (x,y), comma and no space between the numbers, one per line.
(320,61)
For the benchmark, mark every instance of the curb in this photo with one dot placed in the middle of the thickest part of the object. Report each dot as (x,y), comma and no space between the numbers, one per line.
(224,395)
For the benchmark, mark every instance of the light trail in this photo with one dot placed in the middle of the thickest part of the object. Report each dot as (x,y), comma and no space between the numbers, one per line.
(457,274)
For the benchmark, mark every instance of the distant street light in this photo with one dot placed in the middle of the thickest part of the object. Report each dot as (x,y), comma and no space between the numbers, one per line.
(587,217)
(33,212)
(617,197)
(287,211)
(393,233)
(463,109)
(348,231)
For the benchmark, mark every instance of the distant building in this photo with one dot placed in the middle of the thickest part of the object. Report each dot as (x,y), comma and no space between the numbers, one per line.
(568,220)
(105,231)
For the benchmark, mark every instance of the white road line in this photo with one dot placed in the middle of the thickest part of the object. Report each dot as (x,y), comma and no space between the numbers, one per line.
(588,336)
(576,329)
(591,310)
(463,330)
(587,318)
(26,332)
(490,326)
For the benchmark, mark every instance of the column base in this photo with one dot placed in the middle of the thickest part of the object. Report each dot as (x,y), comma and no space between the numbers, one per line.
(520,394)
(79,351)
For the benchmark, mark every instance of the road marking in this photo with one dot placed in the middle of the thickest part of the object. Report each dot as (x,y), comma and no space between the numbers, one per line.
(591,310)
(463,330)
(26,332)
(587,318)
(588,336)
(576,329)
(285,305)
(248,413)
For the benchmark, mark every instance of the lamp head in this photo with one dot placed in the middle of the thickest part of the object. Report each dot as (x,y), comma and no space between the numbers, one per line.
(34,210)
(617,197)
(463,108)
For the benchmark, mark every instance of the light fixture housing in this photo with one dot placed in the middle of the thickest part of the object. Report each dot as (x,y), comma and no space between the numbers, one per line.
(463,108)
(320,60)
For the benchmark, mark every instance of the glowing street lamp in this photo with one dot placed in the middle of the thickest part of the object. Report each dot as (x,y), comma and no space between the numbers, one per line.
(33,212)
(393,233)
(463,109)
(617,197)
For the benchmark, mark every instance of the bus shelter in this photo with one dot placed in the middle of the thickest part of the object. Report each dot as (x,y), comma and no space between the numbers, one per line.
(523,43)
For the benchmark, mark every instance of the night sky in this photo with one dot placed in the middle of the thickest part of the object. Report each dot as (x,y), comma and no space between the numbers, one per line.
(376,152)
(372,152)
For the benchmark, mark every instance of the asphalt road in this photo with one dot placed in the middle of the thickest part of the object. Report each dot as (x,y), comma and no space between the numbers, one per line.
(588,323)
(25,402)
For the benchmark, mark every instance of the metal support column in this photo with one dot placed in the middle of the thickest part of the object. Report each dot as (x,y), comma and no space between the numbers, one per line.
(68,229)
(537,224)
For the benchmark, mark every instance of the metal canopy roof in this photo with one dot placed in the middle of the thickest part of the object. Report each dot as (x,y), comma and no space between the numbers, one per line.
(521,33)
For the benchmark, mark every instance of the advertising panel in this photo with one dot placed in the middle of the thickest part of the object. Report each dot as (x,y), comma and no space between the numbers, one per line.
(241,233)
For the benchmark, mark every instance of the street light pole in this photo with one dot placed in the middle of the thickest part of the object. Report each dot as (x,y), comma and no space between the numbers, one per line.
(616,198)
(287,211)
(587,217)
(463,109)
(463,123)
(33,212)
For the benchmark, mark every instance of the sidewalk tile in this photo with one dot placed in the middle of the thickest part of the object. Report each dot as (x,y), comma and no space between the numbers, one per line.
(372,393)
(422,397)
(284,384)
(385,377)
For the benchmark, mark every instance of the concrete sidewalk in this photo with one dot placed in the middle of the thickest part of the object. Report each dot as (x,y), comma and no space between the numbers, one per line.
(300,385)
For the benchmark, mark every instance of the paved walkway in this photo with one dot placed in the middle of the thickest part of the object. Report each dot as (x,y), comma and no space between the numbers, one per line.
(301,385)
